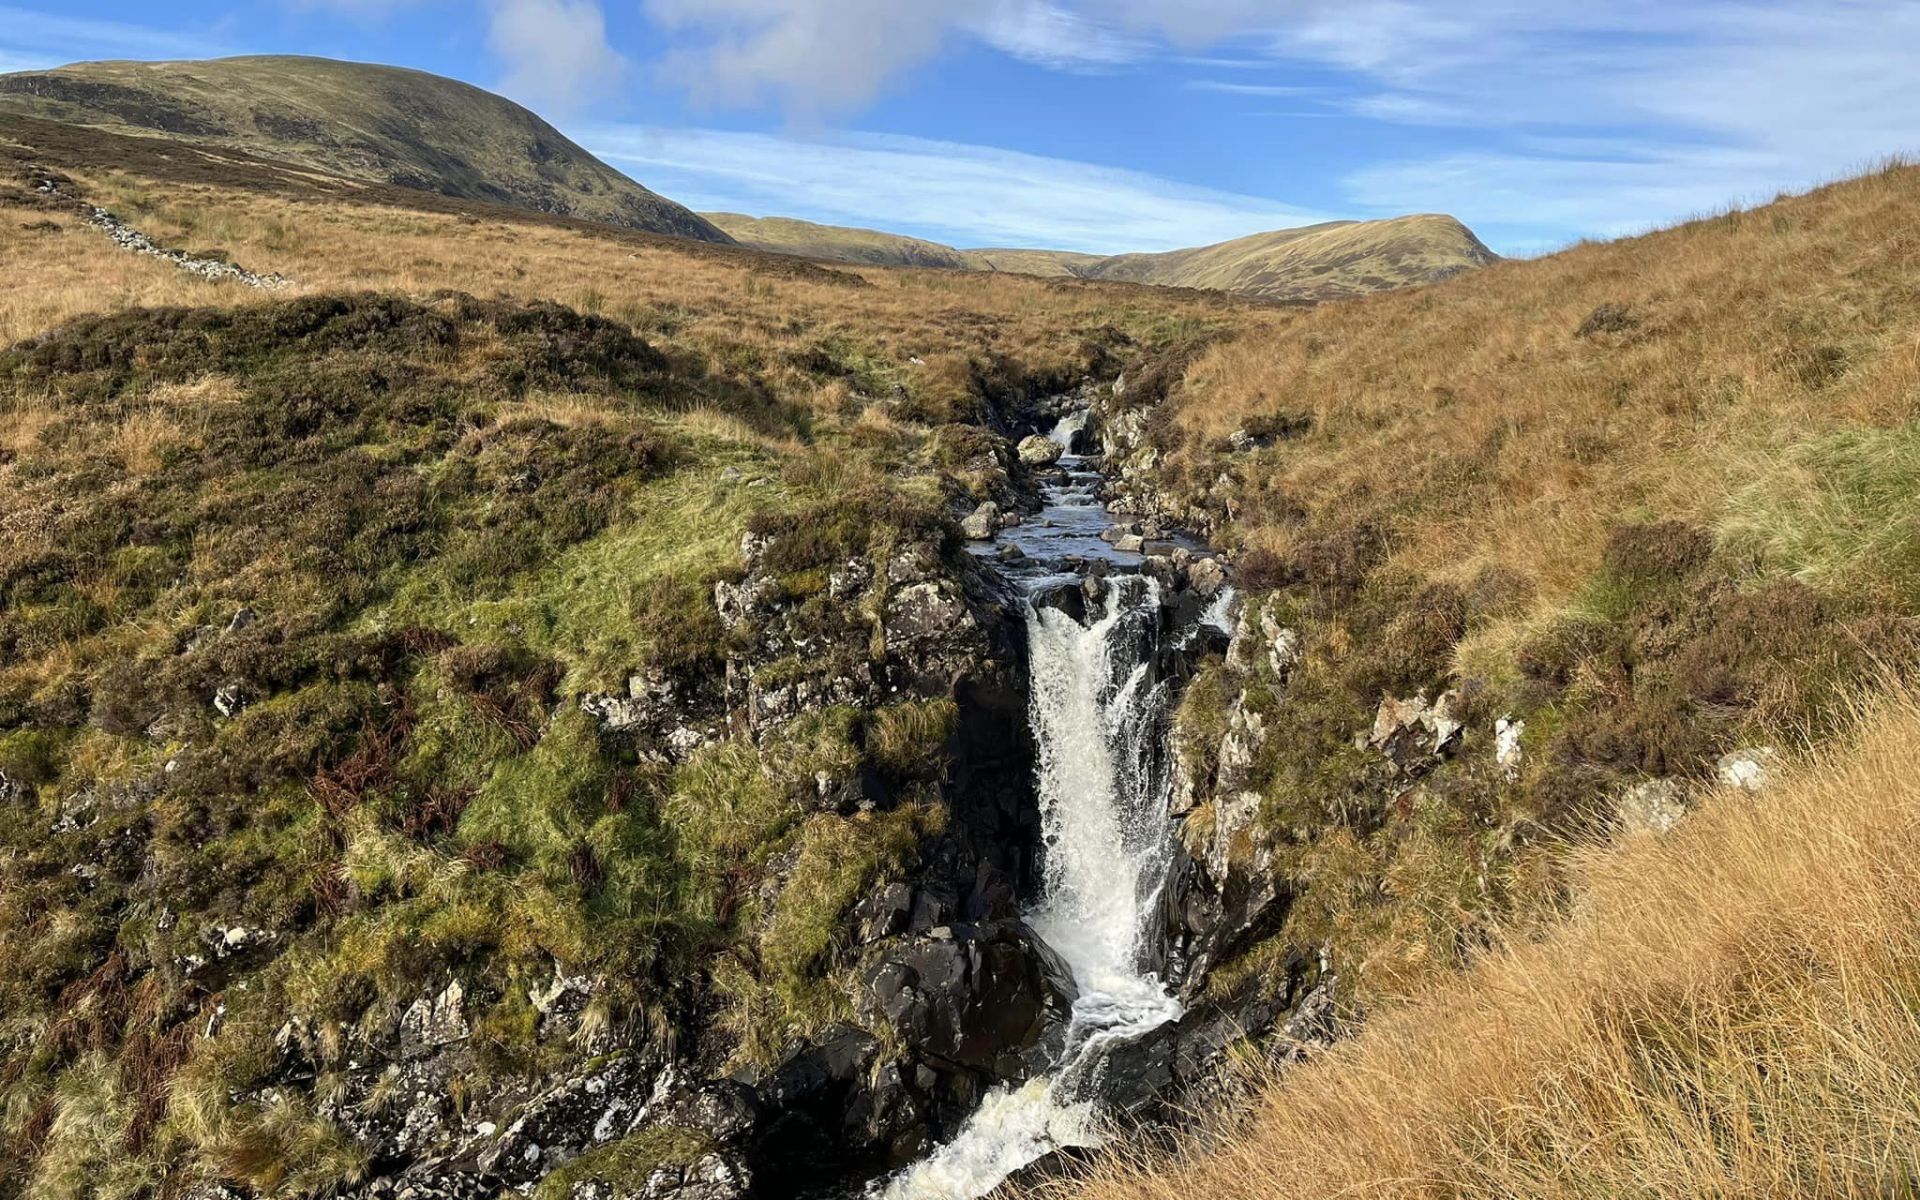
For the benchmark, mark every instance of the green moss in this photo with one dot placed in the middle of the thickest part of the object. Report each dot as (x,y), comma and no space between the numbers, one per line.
(629,1162)
(640,592)
(31,756)
(794,989)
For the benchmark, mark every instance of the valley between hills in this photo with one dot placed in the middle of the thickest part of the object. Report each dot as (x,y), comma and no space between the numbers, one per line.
(511,687)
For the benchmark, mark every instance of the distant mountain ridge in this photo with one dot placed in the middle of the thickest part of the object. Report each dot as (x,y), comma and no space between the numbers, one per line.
(396,126)
(376,123)
(1334,260)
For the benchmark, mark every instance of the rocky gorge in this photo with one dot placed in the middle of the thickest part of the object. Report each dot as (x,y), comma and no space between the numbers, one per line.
(957,993)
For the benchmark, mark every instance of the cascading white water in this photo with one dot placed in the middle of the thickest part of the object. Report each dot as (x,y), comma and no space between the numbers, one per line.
(1096,717)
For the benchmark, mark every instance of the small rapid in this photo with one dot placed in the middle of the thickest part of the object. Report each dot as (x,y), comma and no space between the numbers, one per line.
(1099,716)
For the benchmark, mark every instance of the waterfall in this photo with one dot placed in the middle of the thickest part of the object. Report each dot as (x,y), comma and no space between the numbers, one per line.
(1098,718)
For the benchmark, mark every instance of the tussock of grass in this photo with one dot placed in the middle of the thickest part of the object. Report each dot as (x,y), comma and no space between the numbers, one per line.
(1836,512)
(909,740)
(1728,1011)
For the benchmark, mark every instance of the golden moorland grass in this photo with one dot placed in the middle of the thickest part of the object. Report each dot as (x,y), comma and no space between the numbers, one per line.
(1318,262)
(1512,417)
(784,235)
(750,311)
(1335,261)
(1730,1010)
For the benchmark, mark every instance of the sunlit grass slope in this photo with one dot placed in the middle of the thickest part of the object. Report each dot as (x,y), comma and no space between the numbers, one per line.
(1319,262)
(1731,1010)
(1654,499)
(358,120)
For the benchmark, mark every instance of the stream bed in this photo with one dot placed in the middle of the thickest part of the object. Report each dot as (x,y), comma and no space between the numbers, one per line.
(1099,712)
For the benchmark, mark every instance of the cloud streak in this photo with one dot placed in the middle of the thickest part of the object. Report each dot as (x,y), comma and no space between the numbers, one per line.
(961,194)
(1613,116)
(556,51)
(36,40)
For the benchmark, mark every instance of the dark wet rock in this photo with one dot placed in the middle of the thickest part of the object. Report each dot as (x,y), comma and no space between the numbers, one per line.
(1068,596)
(1163,570)
(987,860)
(816,1112)
(991,999)
(884,913)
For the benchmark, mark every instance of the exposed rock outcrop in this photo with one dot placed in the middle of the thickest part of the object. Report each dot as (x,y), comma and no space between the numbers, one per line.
(1039,451)
(991,999)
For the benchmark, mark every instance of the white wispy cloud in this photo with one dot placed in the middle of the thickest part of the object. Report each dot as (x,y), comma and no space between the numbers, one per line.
(32,40)
(1713,99)
(1535,197)
(1612,119)
(961,194)
(809,56)
(1235,87)
(556,51)
(1051,35)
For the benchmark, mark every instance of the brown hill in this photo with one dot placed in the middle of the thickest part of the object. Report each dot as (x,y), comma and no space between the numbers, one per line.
(383,124)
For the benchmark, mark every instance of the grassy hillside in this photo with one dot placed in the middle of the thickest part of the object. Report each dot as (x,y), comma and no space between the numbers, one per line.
(1653,500)
(1320,262)
(835,243)
(361,121)
(1045,263)
(1727,1011)
(446,520)
(1646,496)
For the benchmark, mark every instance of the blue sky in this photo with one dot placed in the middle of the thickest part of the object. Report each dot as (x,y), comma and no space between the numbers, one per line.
(1110,125)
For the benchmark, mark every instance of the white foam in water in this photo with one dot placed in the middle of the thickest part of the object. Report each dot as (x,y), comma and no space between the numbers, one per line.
(1109,846)
(1069,425)
(1220,614)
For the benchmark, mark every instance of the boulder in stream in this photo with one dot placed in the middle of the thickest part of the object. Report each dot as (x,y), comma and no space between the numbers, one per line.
(990,998)
(1040,451)
(983,523)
